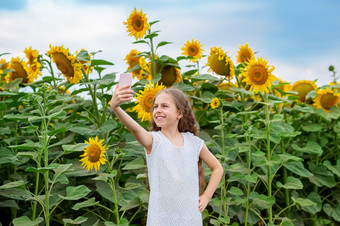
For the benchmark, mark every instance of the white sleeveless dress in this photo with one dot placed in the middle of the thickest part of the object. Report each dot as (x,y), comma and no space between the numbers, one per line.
(173,179)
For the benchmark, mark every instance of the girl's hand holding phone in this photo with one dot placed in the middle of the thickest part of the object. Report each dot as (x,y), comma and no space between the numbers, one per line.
(123,91)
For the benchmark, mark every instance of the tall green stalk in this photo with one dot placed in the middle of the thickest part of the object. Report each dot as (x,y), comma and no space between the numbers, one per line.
(269,156)
(223,206)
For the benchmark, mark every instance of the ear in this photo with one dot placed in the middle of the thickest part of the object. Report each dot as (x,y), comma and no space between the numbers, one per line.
(180,115)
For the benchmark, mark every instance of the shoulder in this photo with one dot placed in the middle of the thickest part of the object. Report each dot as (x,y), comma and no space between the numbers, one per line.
(193,139)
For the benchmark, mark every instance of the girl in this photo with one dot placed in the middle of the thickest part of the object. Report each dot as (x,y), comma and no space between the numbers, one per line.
(173,154)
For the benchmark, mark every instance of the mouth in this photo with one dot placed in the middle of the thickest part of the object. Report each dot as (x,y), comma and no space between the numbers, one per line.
(159,117)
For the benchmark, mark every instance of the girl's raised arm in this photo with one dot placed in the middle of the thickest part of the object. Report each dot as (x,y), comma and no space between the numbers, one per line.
(120,95)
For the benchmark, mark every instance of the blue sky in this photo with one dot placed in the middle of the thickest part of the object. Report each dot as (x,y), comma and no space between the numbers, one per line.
(300,38)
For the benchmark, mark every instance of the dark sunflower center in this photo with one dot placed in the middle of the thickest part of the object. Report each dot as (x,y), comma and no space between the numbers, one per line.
(328,100)
(148,103)
(93,152)
(258,75)
(193,51)
(245,56)
(138,24)
(19,72)
(63,64)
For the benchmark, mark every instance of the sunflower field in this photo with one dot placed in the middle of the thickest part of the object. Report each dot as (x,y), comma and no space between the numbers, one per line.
(65,159)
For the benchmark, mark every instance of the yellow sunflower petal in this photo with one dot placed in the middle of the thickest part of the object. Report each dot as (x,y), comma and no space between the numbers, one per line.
(94,154)
(244,54)
(145,99)
(193,49)
(137,24)
(215,103)
(258,75)
(66,63)
(20,71)
(326,99)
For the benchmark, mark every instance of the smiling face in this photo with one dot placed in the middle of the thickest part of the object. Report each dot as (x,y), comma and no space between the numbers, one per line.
(165,113)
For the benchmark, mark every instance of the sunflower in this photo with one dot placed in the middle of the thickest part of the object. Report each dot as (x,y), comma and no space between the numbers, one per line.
(193,49)
(244,54)
(137,24)
(170,75)
(215,103)
(94,154)
(34,65)
(303,87)
(326,99)
(66,63)
(220,63)
(145,99)
(20,71)
(132,60)
(258,75)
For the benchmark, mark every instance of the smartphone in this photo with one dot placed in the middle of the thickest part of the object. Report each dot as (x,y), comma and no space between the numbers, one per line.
(125,79)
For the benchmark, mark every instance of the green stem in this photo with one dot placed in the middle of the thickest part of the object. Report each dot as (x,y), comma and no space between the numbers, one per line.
(153,57)
(113,187)
(55,86)
(285,176)
(269,176)
(223,205)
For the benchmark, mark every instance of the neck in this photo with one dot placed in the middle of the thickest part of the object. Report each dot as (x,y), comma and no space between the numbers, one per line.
(170,132)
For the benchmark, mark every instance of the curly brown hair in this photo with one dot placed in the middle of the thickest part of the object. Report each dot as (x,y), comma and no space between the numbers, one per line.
(187,123)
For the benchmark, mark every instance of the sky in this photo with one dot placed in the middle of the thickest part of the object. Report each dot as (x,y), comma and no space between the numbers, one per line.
(301,39)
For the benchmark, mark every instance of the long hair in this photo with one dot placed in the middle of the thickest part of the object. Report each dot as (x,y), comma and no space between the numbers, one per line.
(187,123)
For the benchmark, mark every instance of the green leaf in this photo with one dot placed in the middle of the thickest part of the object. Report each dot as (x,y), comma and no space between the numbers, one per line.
(235,191)
(285,157)
(135,164)
(238,167)
(100,62)
(322,177)
(252,178)
(14,184)
(78,220)
(105,190)
(24,220)
(87,203)
(335,169)
(41,169)
(6,156)
(303,202)
(74,148)
(292,183)
(298,168)
(16,193)
(309,127)
(9,204)
(205,77)
(75,193)
(163,44)
(106,176)
(332,212)
(311,148)
(131,204)
(183,87)
(314,197)
(30,145)
(261,201)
